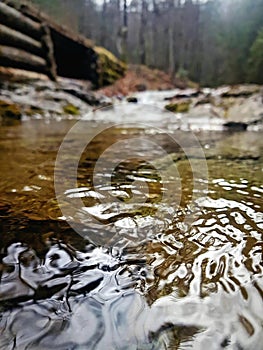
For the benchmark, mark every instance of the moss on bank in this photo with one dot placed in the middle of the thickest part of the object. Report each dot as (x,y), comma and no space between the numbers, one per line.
(110,68)
(10,110)
(71,109)
(179,107)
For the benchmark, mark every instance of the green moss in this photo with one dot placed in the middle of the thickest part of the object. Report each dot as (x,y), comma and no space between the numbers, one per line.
(71,109)
(178,107)
(10,110)
(110,68)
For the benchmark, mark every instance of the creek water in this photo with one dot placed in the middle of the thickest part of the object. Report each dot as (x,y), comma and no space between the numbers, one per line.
(164,251)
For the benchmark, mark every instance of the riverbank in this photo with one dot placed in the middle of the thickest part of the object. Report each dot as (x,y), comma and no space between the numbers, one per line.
(227,107)
(141,78)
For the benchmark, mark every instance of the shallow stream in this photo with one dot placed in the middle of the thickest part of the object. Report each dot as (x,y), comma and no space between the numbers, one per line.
(160,249)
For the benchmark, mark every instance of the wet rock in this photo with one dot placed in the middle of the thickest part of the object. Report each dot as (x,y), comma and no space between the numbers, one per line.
(225,103)
(186,93)
(10,110)
(132,99)
(33,111)
(204,99)
(179,106)
(71,109)
(85,96)
(241,90)
(45,98)
(105,106)
(236,126)
(246,110)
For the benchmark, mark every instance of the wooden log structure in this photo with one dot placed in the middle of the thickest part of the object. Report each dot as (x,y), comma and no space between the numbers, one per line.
(24,43)
(14,19)
(47,46)
(10,56)
(19,40)
(30,40)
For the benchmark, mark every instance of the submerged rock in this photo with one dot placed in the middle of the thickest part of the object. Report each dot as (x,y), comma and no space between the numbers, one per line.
(10,110)
(236,146)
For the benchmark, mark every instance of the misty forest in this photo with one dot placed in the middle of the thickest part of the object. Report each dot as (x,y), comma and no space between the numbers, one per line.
(214,42)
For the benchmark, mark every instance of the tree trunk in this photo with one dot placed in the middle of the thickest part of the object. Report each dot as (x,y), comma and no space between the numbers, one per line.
(143,32)
(103,27)
(171,39)
(124,32)
(154,34)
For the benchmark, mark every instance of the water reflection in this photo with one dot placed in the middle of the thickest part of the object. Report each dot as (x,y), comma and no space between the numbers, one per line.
(164,284)
(95,298)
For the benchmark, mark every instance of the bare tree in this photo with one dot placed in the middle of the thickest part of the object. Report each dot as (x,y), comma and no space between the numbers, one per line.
(143,32)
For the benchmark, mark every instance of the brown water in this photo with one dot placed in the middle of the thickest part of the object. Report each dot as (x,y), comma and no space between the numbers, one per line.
(138,274)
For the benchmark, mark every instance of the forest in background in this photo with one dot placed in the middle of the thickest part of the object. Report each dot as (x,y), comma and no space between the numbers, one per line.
(214,42)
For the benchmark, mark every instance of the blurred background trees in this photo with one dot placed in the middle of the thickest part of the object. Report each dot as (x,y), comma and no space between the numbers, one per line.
(212,42)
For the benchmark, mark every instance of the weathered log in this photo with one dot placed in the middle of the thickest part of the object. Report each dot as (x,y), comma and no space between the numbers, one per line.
(48,47)
(15,58)
(11,37)
(15,20)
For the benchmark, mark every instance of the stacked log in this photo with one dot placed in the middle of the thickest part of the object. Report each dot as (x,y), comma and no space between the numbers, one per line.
(14,19)
(15,58)
(16,39)
(32,41)
(25,43)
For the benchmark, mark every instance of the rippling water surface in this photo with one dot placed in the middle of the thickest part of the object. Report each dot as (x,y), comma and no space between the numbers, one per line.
(157,263)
